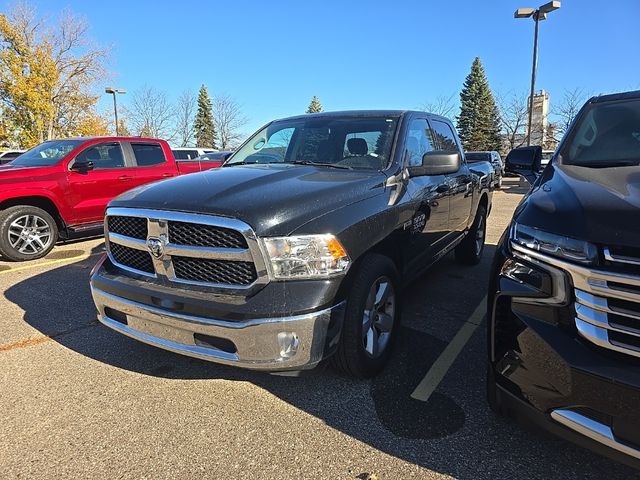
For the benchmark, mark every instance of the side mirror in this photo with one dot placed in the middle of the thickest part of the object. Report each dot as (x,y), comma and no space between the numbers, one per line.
(524,161)
(436,163)
(82,166)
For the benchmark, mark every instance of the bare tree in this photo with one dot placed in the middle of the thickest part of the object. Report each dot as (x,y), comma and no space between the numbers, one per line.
(228,119)
(441,105)
(150,114)
(185,111)
(514,111)
(567,109)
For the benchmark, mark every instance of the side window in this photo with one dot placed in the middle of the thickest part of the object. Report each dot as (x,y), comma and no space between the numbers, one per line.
(445,139)
(192,154)
(148,154)
(272,150)
(103,156)
(180,155)
(419,142)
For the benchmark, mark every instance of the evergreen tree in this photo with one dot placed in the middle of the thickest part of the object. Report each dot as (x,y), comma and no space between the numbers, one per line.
(315,106)
(203,125)
(479,119)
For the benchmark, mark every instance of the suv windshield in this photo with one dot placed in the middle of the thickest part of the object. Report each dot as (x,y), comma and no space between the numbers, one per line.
(47,153)
(341,142)
(607,134)
(473,157)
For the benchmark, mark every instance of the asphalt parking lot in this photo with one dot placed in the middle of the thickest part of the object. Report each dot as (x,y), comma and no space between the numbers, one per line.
(79,400)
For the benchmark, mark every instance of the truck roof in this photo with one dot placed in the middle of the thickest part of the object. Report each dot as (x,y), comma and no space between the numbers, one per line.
(615,96)
(357,113)
(112,138)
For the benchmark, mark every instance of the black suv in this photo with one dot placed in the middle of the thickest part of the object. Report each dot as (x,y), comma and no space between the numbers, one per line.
(564,298)
(296,248)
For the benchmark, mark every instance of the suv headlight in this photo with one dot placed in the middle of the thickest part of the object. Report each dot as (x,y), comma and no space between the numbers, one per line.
(555,245)
(306,256)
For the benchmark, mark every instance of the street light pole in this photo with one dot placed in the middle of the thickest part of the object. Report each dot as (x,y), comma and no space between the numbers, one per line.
(537,14)
(114,91)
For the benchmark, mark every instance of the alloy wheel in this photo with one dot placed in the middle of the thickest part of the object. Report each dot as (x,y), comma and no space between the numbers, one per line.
(378,317)
(30,234)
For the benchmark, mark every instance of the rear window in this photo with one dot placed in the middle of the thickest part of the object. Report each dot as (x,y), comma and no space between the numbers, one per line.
(185,154)
(148,154)
(606,134)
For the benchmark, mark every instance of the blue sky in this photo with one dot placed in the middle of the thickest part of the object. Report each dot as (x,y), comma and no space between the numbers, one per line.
(272,57)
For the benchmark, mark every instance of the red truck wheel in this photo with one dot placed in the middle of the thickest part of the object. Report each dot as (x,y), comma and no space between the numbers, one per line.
(26,233)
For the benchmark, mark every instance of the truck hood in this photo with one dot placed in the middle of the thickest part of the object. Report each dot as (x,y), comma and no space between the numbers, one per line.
(273,199)
(601,205)
(9,171)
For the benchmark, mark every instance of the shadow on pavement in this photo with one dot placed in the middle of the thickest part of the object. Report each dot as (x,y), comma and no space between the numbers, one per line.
(453,433)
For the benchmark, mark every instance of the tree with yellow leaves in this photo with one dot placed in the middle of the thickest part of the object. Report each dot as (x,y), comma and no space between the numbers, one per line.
(47,76)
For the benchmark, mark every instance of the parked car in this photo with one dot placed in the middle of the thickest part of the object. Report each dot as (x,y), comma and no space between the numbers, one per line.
(60,188)
(277,266)
(188,153)
(219,156)
(494,159)
(546,158)
(8,155)
(564,298)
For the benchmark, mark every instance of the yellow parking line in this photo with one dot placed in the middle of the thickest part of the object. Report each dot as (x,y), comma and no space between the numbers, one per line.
(442,365)
(50,262)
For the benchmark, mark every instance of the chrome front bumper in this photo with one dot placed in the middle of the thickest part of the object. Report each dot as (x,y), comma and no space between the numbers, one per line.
(283,343)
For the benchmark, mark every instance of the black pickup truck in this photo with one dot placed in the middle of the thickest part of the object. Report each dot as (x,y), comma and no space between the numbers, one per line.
(564,296)
(297,248)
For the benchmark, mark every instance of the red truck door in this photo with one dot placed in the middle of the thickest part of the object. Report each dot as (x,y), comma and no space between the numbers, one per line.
(151,162)
(91,190)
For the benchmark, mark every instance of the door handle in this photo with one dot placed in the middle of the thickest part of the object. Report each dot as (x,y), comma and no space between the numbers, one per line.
(166,175)
(125,177)
(443,188)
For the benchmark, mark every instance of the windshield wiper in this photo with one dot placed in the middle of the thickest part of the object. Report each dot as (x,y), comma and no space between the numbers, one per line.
(319,164)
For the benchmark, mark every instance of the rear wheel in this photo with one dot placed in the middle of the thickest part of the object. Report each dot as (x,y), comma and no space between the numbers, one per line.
(470,249)
(26,233)
(371,319)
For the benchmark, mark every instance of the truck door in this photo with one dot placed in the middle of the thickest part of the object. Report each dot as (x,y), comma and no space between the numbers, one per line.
(90,191)
(460,183)
(429,197)
(150,162)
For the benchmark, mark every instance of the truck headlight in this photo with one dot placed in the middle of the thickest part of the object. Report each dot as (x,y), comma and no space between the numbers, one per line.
(306,256)
(556,245)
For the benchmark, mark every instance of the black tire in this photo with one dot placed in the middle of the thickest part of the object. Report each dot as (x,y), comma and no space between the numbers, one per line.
(31,222)
(356,355)
(470,250)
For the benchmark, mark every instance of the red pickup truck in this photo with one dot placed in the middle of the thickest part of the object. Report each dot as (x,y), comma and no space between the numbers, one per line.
(59,189)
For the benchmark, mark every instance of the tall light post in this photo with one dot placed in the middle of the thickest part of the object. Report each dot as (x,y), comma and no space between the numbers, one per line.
(114,91)
(538,14)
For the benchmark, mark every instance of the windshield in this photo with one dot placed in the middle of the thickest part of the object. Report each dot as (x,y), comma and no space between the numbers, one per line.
(607,134)
(341,142)
(47,153)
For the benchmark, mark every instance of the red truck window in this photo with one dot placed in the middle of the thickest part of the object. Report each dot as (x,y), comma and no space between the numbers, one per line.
(148,154)
(103,156)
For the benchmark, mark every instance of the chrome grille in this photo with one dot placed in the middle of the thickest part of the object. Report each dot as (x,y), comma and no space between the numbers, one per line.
(134,227)
(182,233)
(136,259)
(185,248)
(214,271)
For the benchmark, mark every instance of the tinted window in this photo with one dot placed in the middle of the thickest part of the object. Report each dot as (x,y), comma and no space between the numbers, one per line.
(10,155)
(444,137)
(180,154)
(148,154)
(47,153)
(103,156)
(606,133)
(477,157)
(419,142)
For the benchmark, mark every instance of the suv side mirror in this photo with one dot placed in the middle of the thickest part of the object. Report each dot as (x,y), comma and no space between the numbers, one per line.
(82,166)
(436,163)
(524,161)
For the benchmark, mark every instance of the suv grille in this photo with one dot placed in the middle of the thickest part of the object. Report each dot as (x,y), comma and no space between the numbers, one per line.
(182,233)
(196,249)
(134,227)
(608,304)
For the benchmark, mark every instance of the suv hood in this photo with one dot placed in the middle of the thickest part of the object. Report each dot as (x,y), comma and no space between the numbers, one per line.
(273,199)
(601,205)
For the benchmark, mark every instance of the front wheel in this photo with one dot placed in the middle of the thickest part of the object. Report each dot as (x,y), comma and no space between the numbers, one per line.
(470,249)
(26,233)
(371,319)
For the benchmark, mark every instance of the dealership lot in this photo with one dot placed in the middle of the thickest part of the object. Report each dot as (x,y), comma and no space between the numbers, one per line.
(80,400)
